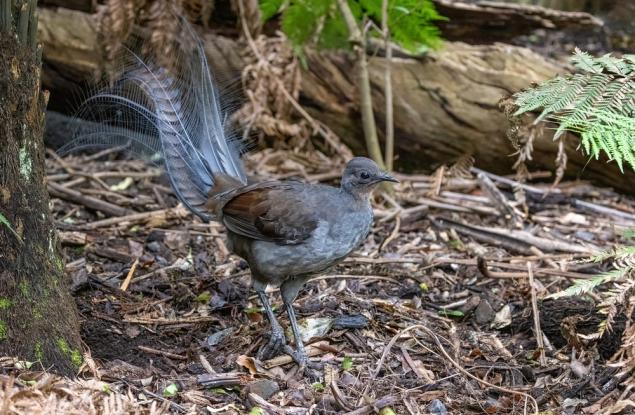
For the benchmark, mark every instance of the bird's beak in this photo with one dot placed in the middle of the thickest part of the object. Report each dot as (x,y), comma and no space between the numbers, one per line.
(385,177)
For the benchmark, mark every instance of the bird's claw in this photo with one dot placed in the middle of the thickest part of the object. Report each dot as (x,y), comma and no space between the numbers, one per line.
(312,370)
(276,345)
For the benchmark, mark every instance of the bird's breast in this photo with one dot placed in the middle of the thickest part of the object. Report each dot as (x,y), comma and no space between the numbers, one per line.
(330,242)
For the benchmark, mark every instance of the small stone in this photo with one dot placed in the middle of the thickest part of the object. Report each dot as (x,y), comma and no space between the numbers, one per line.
(347,379)
(484,312)
(154,246)
(585,236)
(437,407)
(216,338)
(264,388)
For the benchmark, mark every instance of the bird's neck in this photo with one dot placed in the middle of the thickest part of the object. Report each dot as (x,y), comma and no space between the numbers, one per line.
(360,196)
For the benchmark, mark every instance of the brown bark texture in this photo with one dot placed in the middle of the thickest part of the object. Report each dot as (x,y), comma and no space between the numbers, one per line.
(445,104)
(38,319)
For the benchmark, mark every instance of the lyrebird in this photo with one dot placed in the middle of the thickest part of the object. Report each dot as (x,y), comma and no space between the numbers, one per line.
(169,107)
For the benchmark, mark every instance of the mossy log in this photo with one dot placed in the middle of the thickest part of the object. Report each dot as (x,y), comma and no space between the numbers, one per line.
(445,104)
(38,319)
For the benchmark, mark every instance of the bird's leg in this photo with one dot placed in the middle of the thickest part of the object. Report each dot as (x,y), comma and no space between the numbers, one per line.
(277,341)
(289,291)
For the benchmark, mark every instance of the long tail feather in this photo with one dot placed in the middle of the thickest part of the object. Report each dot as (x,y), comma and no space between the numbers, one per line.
(171,114)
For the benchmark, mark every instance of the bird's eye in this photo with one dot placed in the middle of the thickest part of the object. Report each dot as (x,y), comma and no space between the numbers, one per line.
(364,175)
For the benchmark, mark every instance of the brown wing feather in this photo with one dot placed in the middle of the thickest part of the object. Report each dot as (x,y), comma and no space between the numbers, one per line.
(271,211)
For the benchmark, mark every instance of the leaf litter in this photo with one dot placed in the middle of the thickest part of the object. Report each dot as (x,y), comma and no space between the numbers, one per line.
(433,314)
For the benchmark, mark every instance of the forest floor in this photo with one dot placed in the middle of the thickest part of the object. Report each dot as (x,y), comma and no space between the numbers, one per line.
(433,314)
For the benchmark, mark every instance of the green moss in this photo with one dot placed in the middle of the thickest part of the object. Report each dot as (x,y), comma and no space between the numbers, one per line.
(63,346)
(3,330)
(4,303)
(73,354)
(76,358)
(39,353)
(59,264)
(24,288)
(37,313)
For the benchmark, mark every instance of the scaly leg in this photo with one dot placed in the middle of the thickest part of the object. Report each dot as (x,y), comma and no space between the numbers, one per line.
(289,291)
(277,341)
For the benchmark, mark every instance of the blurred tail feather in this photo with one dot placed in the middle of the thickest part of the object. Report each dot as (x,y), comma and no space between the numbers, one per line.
(173,114)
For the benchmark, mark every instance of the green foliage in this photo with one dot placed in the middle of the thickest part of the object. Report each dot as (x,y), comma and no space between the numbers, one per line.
(3,330)
(4,221)
(580,287)
(598,103)
(623,278)
(319,22)
(318,387)
(410,22)
(451,313)
(170,390)
(39,351)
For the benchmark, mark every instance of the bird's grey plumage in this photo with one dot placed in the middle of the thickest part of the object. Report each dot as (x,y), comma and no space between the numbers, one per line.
(286,230)
(339,223)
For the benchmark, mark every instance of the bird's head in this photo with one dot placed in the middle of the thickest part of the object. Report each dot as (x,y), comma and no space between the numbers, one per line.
(362,175)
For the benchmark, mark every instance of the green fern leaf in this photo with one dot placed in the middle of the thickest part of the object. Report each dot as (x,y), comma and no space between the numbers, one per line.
(585,62)
(269,8)
(580,287)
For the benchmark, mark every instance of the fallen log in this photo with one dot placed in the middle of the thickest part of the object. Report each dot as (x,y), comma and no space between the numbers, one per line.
(446,104)
(481,21)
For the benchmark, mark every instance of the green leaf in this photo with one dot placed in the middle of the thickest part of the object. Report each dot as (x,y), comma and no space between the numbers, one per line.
(411,22)
(387,411)
(256,410)
(302,18)
(347,363)
(23,364)
(204,297)
(254,310)
(269,8)
(334,34)
(170,390)
(317,386)
(6,223)
(122,185)
(451,313)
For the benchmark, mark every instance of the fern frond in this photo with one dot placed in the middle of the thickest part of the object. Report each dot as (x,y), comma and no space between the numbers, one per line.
(613,300)
(623,262)
(598,104)
(580,287)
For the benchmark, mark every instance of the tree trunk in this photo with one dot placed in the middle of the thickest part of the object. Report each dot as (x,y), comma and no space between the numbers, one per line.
(38,319)
(445,105)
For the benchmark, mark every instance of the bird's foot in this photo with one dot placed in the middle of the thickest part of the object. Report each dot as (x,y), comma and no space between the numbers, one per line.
(276,345)
(313,371)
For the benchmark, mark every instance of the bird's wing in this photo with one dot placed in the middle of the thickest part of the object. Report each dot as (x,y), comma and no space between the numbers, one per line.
(271,211)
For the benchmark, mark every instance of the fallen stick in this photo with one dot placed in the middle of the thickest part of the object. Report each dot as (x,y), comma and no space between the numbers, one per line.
(74,196)
(176,212)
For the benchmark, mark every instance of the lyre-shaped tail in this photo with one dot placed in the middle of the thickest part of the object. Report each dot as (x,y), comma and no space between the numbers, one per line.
(167,107)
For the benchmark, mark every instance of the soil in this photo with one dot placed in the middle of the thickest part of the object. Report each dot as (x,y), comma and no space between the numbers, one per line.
(187,316)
